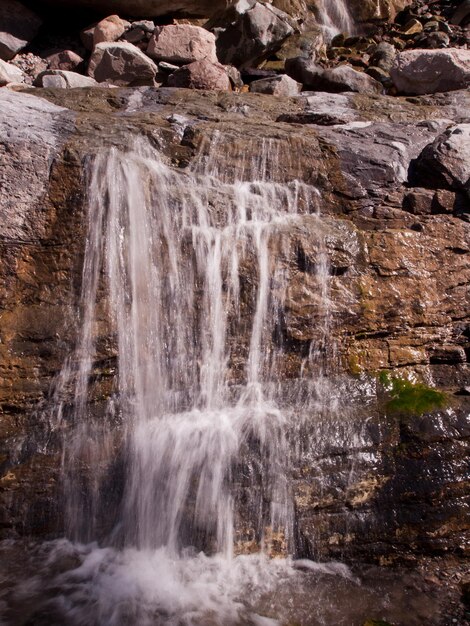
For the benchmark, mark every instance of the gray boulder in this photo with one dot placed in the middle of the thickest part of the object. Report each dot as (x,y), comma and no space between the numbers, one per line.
(346,78)
(336,80)
(61,79)
(418,72)
(277,86)
(383,56)
(18,27)
(304,71)
(10,74)
(182,43)
(446,161)
(250,32)
(121,64)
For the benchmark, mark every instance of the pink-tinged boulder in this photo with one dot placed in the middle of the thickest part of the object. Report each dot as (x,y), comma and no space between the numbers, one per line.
(66,60)
(18,27)
(277,86)
(121,64)
(418,72)
(182,43)
(201,75)
(10,74)
(109,29)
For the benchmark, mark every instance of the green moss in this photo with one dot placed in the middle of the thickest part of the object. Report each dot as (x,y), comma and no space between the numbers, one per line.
(376,622)
(409,398)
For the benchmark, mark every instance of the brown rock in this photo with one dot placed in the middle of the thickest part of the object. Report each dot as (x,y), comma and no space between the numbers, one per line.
(182,43)
(66,60)
(121,64)
(201,75)
(109,29)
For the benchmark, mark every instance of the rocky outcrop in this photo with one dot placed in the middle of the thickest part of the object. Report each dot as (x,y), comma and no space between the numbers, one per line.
(371,481)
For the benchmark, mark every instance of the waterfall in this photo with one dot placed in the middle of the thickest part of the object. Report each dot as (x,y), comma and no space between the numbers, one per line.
(334,17)
(171,259)
(186,272)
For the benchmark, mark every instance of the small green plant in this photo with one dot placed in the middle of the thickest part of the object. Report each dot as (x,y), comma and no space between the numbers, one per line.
(376,622)
(410,398)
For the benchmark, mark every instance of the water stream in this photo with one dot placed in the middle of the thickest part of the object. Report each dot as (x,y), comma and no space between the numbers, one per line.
(178,491)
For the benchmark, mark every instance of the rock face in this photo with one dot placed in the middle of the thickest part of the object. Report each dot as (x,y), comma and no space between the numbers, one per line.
(376,483)
(144,8)
(182,43)
(418,72)
(18,26)
(121,64)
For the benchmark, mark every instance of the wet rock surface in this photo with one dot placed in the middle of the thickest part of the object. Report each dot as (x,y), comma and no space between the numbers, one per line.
(396,309)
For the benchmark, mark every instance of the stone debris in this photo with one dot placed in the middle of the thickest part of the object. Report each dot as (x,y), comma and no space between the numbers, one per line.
(404,47)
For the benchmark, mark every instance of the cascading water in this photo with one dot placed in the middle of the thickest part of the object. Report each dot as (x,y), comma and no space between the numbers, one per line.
(335,17)
(179,482)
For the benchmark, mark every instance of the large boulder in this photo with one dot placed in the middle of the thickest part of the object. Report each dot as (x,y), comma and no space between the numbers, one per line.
(250,32)
(418,72)
(202,74)
(18,27)
(446,161)
(182,43)
(121,64)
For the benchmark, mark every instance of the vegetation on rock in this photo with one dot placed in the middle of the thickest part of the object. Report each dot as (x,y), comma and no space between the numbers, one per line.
(411,398)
